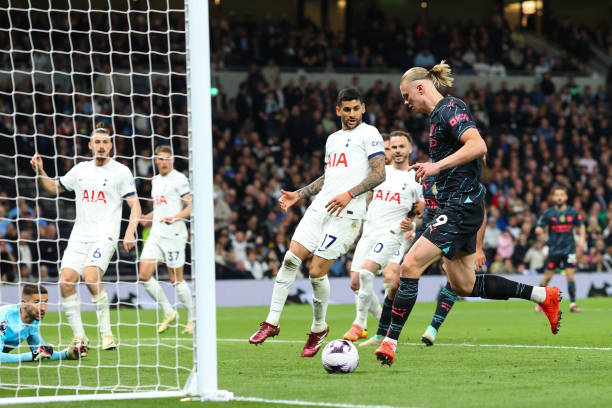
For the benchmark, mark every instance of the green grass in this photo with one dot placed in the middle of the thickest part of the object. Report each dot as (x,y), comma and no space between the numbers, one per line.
(471,364)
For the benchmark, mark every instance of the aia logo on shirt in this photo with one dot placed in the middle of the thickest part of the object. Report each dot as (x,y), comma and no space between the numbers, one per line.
(336,160)
(91,196)
(160,200)
(389,197)
(458,118)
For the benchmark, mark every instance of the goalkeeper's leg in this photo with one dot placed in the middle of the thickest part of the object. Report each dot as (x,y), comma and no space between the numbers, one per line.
(92,275)
(184,294)
(147,268)
(70,301)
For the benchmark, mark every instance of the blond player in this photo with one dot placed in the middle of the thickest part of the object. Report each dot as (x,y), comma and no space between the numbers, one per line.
(99,185)
(166,243)
(383,231)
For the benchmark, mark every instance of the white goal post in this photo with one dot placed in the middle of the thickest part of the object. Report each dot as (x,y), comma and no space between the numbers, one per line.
(67,68)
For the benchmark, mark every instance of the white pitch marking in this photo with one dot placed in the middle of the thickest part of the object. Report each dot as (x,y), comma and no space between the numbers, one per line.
(310,403)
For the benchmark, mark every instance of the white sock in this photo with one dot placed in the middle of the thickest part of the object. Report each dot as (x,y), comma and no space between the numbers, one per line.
(375,307)
(155,290)
(387,288)
(184,294)
(102,311)
(283,284)
(391,341)
(72,308)
(356,305)
(538,295)
(366,291)
(320,297)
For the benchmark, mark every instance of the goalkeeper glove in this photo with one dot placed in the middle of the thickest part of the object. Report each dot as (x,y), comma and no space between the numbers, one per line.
(77,349)
(43,352)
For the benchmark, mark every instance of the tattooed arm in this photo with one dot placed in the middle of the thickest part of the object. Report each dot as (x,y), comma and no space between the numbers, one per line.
(311,189)
(377,175)
(291,197)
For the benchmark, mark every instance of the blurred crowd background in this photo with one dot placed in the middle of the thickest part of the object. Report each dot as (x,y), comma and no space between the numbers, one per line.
(271,133)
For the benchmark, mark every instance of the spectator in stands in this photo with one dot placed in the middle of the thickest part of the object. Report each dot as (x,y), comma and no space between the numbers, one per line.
(492,234)
(8,262)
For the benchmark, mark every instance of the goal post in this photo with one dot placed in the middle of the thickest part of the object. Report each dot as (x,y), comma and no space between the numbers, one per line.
(203,382)
(144,69)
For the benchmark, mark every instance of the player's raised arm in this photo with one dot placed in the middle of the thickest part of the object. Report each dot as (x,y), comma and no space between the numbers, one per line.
(129,240)
(50,185)
(377,175)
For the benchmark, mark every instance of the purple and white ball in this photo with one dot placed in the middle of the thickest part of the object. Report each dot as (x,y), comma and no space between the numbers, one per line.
(340,356)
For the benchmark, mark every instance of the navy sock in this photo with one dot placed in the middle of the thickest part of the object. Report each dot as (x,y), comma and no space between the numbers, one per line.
(403,303)
(385,317)
(497,287)
(446,300)
(571,288)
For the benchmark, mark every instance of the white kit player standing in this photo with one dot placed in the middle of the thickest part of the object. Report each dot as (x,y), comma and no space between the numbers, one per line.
(386,223)
(166,243)
(355,164)
(99,185)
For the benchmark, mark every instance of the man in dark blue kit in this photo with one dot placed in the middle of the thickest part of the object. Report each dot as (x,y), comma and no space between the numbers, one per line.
(561,220)
(456,148)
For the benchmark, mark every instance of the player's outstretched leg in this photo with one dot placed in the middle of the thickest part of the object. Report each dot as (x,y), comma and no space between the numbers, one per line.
(496,287)
(446,300)
(282,285)
(146,269)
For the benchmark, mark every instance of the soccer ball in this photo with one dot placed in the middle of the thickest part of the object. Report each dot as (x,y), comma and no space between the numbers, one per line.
(340,356)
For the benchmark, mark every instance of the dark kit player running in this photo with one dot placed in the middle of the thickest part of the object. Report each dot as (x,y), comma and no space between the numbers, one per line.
(456,148)
(561,220)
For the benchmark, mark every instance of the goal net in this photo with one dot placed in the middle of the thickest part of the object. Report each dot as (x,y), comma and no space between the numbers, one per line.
(66,65)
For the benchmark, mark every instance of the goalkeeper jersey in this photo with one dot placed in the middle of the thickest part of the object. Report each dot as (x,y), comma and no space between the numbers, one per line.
(13,331)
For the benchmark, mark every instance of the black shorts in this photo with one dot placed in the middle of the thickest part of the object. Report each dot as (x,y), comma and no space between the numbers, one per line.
(454,228)
(560,261)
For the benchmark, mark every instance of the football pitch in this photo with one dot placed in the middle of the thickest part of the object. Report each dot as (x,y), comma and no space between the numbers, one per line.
(488,354)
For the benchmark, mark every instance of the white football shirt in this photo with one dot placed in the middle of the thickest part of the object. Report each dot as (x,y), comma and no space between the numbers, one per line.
(346,164)
(391,201)
(99,192)
(167,193)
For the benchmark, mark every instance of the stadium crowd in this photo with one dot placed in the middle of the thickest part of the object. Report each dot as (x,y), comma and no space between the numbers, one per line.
(271,134)
(491,48)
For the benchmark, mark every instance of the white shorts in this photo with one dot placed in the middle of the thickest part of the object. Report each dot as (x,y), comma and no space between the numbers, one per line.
(169,251)
(380,248)
(398,256)
(326,236)
(78,255)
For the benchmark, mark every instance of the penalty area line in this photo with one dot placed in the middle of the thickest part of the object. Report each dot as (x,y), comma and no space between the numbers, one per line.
(529,346)
(311,403)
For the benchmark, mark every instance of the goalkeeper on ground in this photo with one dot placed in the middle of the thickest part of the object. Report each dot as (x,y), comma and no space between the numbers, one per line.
(22,322)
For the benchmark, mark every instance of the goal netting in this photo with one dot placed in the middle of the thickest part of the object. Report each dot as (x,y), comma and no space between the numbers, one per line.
(65,65)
